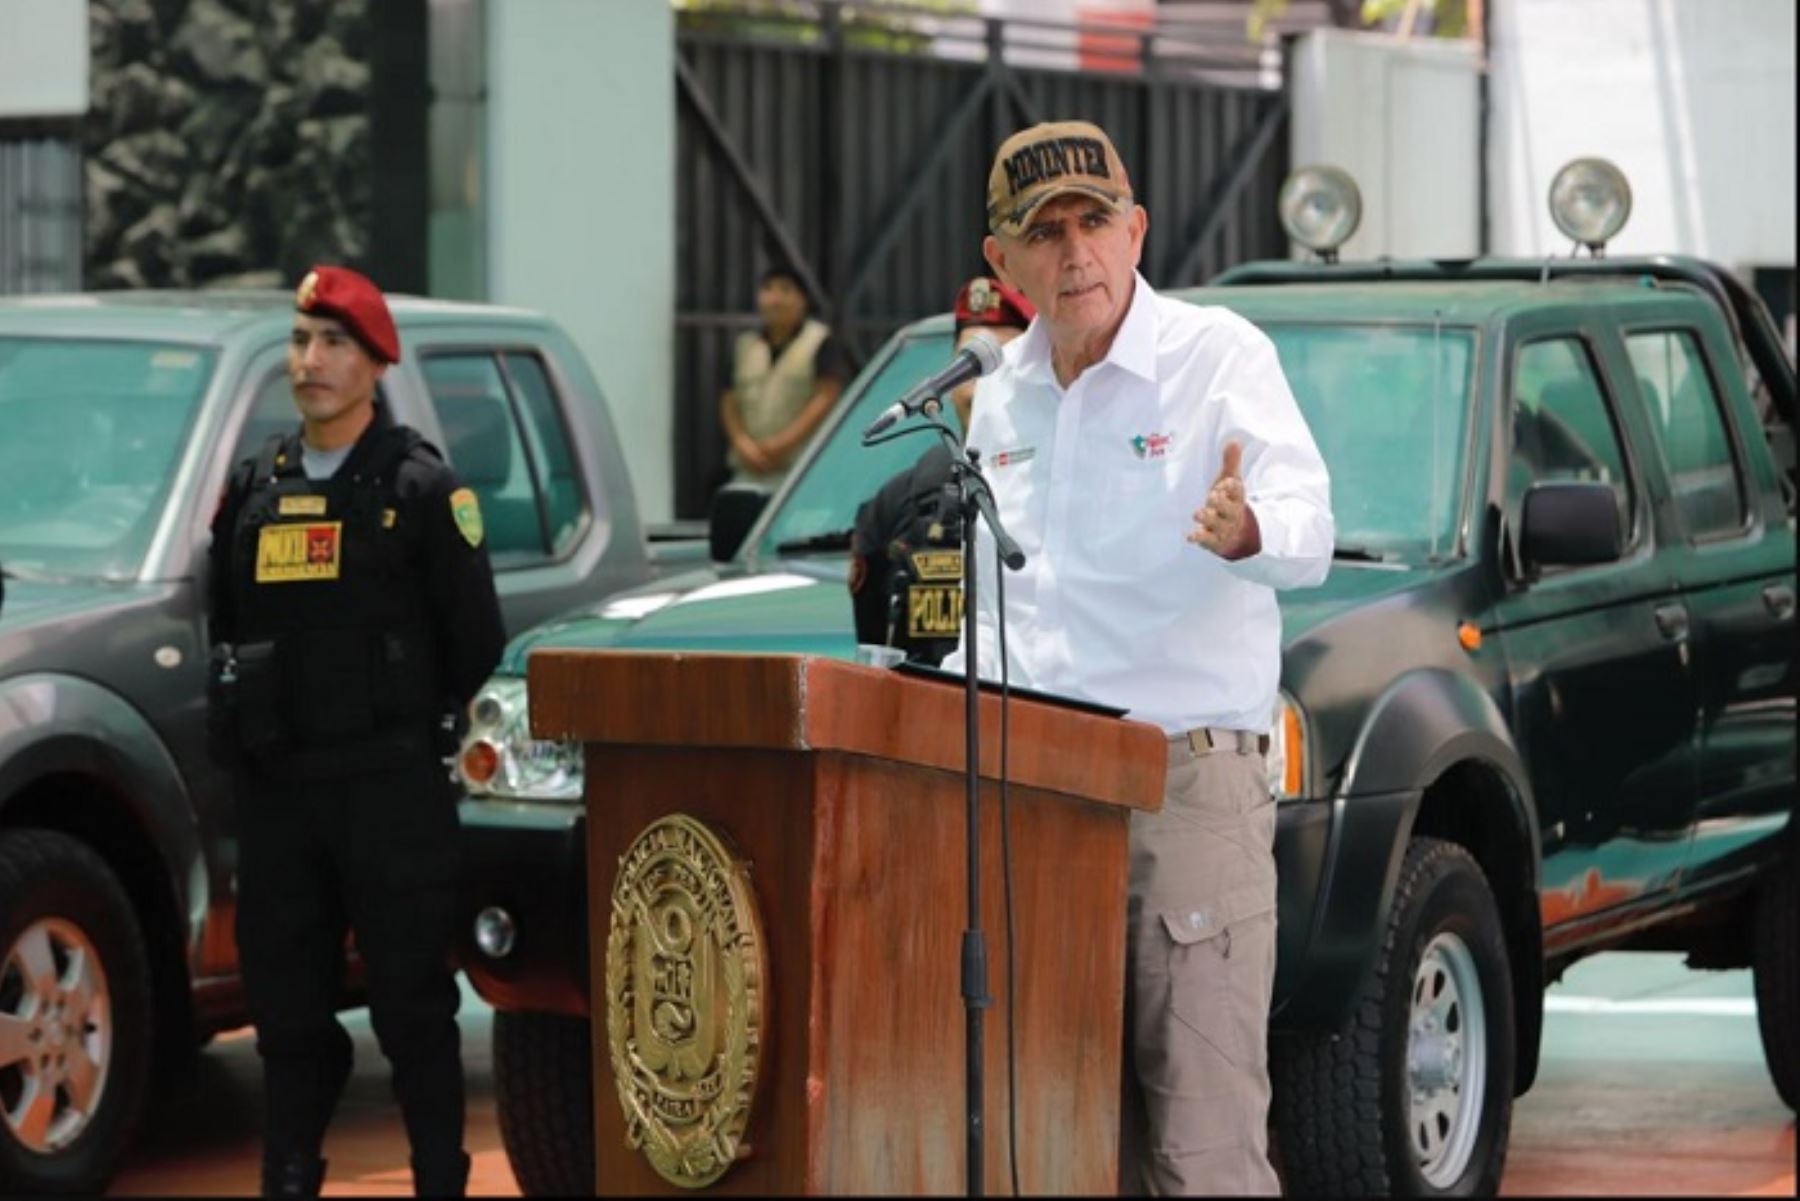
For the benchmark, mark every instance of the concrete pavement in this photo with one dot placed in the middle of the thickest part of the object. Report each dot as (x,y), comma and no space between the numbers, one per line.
(1652,1084)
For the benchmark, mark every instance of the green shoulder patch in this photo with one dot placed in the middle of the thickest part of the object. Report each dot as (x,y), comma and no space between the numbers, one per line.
(467,512)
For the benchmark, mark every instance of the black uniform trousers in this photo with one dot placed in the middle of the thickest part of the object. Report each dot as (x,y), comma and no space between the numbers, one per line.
(374,854)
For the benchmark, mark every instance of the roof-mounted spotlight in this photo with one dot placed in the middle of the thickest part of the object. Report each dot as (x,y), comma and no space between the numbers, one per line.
(1589,201)
(1320,208)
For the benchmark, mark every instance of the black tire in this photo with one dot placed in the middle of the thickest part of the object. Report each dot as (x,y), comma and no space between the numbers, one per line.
(543,1090)
(55,893)
(1343,1101)
(1777,932)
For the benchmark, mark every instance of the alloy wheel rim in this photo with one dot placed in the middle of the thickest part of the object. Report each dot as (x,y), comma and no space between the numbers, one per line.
(56,1035)
(1446,1060)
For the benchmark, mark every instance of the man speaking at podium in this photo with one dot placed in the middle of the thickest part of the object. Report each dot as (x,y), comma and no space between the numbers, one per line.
(1150,460)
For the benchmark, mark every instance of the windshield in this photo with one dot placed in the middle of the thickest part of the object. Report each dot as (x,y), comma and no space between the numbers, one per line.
(89,436)
(846,473)
(1375,397)
(1389,408)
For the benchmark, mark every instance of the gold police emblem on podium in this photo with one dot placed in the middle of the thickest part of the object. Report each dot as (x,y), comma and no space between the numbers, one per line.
(686,999)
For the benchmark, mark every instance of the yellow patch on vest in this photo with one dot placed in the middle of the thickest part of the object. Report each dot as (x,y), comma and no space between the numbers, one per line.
(302,506)
(467,512)
(301,551)
(938,564)
(934,606)
(934,610)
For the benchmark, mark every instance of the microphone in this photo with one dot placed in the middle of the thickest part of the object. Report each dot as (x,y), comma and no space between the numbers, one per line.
(978,358)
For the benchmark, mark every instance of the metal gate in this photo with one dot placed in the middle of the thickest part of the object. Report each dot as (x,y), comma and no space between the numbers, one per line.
(40,215)
(865,168)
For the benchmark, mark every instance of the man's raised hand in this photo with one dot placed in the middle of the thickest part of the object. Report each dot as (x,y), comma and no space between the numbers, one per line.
(1224,524)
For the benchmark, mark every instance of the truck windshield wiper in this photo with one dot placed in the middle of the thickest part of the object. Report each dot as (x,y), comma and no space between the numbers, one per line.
(1360,554)
(829,541)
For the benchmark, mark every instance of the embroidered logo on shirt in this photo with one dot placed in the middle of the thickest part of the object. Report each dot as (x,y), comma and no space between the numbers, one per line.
(1151,446)
(1021,454)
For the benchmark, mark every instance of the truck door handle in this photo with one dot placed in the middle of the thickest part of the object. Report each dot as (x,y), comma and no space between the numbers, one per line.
(1779,600)
(1672,620)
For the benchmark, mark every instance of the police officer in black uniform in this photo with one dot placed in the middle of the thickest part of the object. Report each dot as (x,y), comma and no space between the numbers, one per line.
(353,613)
(905,552)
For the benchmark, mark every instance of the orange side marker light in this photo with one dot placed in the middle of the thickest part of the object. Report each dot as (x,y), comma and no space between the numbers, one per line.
(1296,751)
(480,762)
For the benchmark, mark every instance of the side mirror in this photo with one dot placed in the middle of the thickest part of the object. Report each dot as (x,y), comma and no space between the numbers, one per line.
(734,509)
(1569,524)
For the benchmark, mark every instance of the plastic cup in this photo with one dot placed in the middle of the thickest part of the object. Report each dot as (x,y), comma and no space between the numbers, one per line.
(871,655)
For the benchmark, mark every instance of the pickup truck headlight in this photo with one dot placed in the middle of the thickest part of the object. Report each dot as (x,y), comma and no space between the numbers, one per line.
(500,758)
(1287,751)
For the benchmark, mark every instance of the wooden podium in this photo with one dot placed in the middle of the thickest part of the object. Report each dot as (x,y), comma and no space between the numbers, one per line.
(842,788)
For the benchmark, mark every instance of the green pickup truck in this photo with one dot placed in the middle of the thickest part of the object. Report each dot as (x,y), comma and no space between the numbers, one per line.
(1543,705)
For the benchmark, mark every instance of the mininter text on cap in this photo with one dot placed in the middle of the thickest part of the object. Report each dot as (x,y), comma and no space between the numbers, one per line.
(1048,160)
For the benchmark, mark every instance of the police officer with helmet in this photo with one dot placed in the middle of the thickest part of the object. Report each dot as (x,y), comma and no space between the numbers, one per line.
(906,549)
(352,612)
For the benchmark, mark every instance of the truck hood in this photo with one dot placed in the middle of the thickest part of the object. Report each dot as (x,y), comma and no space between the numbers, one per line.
(802,607)
(798,608)
(31,603)
(1349,587)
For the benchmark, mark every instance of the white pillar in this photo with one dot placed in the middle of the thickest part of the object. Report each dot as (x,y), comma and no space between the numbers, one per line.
(581,176)
(1402,117)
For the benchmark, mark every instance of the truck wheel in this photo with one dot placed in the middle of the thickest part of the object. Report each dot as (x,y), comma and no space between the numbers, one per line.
(543,1090)
(1413,1096)
(75,1016)
(1776,971)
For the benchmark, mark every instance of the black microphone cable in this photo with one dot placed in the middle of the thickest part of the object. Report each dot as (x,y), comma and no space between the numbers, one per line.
(1006,876)
(1006,873)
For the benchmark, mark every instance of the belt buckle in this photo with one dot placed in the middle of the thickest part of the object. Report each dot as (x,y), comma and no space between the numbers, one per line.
(1205,741)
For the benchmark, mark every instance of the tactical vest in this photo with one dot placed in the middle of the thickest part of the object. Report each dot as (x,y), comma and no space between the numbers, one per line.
(335,653)
(925,605)
(772,389)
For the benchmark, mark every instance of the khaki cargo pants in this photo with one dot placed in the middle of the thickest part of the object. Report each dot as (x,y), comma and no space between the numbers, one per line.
(1200,967)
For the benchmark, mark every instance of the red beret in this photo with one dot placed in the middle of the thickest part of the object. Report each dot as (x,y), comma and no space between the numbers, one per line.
(349,297)
(987,301)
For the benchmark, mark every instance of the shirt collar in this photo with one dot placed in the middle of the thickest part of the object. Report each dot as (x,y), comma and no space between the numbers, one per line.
(1133,348)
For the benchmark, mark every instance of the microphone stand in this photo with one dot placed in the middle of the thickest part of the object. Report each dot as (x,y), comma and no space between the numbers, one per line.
(973,498)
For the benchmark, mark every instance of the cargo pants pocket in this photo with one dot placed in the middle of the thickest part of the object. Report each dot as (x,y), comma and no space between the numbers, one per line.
(1221,960)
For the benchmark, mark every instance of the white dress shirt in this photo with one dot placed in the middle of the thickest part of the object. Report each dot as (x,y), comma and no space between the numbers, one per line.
(1099,482)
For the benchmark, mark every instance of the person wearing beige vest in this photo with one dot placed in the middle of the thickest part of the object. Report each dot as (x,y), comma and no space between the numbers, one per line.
(785,378)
